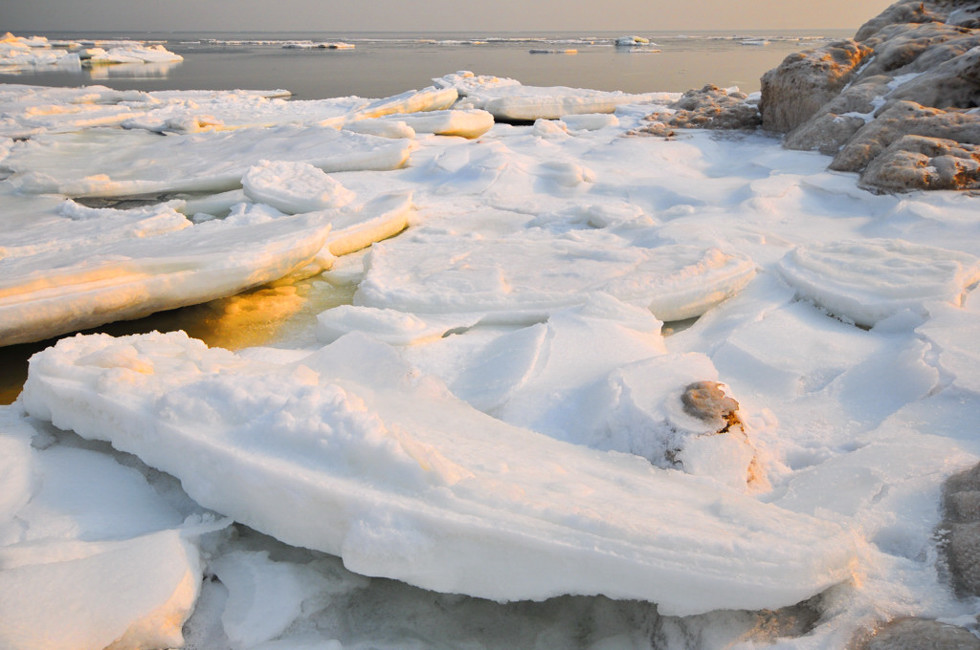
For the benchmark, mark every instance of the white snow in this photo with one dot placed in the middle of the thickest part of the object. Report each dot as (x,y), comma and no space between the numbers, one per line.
(499,411)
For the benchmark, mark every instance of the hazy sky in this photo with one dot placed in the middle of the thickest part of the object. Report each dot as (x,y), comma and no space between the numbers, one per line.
(628,16)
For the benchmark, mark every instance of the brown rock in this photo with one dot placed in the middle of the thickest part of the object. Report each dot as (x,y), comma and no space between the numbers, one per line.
(714,108)
(901,119)
(793,92)
(955,83)
(839,119)
(920,163)
(919,634)
(905,11)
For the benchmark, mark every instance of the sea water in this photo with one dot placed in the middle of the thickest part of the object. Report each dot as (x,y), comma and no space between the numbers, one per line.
(383,64)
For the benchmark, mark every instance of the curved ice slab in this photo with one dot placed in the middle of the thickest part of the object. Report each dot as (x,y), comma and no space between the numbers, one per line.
(130,593)
(470,123)
(524,276)
(353,453)
(383,217)
(867,281)
(62,291)
(113,162)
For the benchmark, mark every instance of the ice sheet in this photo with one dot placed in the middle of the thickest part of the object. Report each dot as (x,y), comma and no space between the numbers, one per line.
(442,275)
(61,290)
(386,469)
(111,162)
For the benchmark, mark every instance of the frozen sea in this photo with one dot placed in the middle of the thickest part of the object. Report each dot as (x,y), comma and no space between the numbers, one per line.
(387,63)
(464,360)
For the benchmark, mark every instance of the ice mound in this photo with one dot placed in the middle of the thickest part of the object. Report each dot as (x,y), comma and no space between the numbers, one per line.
(524,276)
(294,187)
(867,281)
(88,284)
(131,54)
(352,452)
(112,162)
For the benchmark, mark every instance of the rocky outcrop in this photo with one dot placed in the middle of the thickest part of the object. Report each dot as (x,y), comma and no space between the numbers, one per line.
(710,107)
(912,71)
(804,82)
(961,526)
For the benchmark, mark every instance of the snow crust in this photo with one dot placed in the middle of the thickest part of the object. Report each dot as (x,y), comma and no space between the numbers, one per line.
(501,411)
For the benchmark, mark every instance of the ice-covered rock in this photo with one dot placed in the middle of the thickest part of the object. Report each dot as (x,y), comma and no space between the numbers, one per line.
(352,452)
(710,107)
(867,281)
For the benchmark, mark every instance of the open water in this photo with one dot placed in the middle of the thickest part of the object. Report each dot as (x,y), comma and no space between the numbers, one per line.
(385,64)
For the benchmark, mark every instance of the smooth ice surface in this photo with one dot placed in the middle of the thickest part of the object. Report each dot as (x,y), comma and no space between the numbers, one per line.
(352,453)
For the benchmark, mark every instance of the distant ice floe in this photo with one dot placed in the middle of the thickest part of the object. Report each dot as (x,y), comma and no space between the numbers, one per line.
(870,280)
(351,452)
(33,52)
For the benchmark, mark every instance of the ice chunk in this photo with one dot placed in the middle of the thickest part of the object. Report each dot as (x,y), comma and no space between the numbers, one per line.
(133,593)
(294,187)
(65,290)
(132,54)
(523,276)
(427,99)
(867,281)
(382,217)
(534,102)
(109,162)
(463,123)
(351,452)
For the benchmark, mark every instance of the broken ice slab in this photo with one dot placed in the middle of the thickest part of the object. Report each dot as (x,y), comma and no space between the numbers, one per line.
(352,452)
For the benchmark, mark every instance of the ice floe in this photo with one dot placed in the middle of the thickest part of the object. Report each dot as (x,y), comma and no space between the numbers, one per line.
(867,281)
(371,462)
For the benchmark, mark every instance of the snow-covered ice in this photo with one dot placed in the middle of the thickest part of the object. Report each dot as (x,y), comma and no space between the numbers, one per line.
(502,408)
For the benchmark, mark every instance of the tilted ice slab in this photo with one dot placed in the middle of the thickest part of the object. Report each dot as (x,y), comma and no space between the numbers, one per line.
(869,280)
(353,453)
(523,276)
(61,291)
(112,162)
(470,123)
(294,187)
(535,102)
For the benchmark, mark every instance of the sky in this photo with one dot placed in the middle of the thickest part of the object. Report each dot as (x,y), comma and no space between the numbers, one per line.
(627,16)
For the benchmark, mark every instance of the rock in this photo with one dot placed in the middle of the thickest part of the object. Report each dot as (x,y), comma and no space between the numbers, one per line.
(715,108)
(914,70)
(710,107)
(707,401)
(902,12)
(961,523)
(917,162)
(793,92)
(919,633)
(901,119)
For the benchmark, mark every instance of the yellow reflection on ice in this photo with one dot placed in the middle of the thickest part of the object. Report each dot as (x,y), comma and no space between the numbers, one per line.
(263,316)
